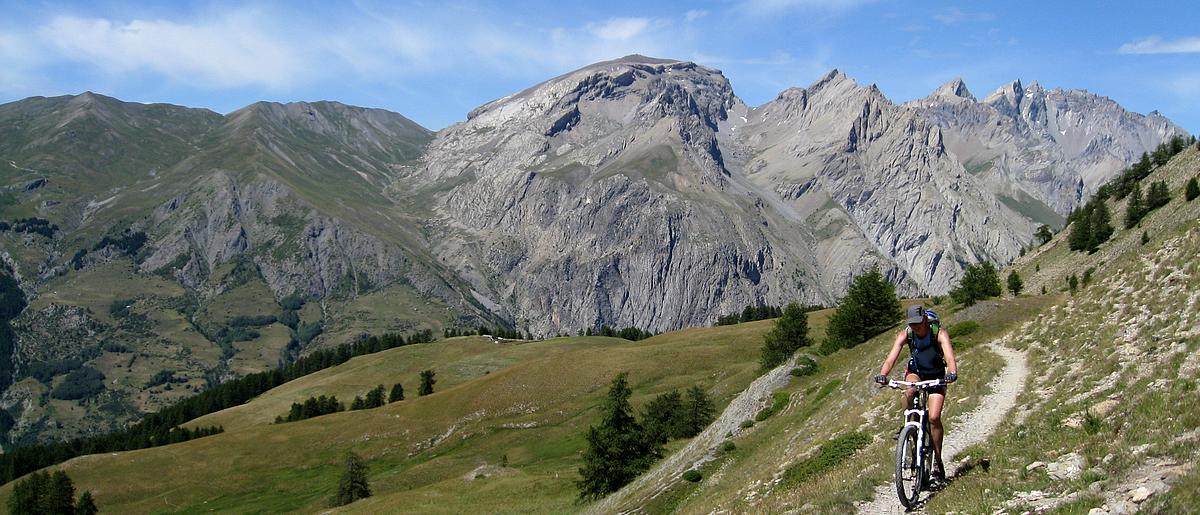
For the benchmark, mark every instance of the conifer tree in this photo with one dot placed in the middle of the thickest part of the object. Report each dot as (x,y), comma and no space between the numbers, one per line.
(427,382)
(60,494)
(1145,237)
(618,449)
(789,334)
(1081,230)
(1135,208)
(1192,190)
(662,417)
(358,403)
(1044,234)
(353,484)
(869,307)
(397,393)
(698,410)
(375,397)
(1102,229)
(979,282)
(86,505)
(1015,285)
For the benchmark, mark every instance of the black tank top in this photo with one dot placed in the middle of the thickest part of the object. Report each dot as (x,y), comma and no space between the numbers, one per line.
(926,357)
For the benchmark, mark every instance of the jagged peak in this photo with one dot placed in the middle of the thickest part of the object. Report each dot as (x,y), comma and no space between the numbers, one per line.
(955,88)
(1011,93)
(834,76)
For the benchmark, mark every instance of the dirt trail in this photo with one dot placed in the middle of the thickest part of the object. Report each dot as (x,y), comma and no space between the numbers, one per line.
(970,429)
(701,448)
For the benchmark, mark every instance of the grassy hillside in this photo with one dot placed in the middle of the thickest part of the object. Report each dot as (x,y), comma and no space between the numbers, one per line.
(526,403)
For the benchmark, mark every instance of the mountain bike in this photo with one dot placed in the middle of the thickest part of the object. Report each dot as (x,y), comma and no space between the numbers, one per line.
(914,446)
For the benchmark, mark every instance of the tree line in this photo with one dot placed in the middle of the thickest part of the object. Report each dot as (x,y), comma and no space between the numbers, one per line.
(1122,184)
(620,446)
(753,313)
(160,428)
(33,225)
(44,493)
(483,330)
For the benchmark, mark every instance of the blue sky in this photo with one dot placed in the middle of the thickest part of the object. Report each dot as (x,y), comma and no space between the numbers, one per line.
(435,61)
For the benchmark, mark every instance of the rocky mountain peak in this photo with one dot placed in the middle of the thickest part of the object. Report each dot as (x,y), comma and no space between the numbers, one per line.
(1010,94)
(953,89)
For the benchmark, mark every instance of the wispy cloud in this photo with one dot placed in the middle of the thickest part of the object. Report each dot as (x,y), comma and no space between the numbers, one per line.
(264,48)
(695,14)
(766,7)
(1158,45)
(955,16)
(620,29)
(228,52)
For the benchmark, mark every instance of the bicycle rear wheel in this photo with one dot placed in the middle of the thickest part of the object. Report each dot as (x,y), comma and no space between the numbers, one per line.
(908,467)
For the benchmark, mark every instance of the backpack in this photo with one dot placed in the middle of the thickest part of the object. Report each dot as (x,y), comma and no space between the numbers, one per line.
(935,328)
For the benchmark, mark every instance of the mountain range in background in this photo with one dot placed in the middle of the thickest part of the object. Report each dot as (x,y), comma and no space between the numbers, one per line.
(190,247)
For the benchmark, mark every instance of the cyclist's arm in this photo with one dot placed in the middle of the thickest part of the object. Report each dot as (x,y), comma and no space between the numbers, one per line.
(948,351)
(895,353)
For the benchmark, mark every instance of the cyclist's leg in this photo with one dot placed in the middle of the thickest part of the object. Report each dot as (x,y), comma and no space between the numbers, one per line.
(935,424)
(909,392)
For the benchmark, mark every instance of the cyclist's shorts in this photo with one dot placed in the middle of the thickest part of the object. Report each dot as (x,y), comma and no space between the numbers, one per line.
(941,389)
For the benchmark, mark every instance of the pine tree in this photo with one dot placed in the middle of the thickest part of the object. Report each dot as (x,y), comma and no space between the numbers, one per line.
(1081,229)
(1135,208)
(1044,234)
(86,505)
(1192,190)
(662,417)
(1073,283)
(979,282)
(789,334)
(1158,196)
(869,307)
(358,403)
(1145,237)
(28,494)
(1102,230)
(1015,285)
(353,484)
(60,494)
(397,393)
(375,397)
(427,382)
(618,449)
(698,410)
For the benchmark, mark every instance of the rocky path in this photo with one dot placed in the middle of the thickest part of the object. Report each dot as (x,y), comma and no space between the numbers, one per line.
(970,429)
(703,447)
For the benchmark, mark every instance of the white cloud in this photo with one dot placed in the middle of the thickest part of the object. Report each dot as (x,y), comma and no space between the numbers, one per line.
(280,51)
(228,52)
(695,14)
(620,29)
(955,16)
(1158,45)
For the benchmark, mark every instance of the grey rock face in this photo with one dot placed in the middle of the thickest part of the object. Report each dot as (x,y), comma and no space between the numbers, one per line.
(1057,146)
(644,192)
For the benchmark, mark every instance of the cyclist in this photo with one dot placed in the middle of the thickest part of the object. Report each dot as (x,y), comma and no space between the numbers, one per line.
(931,357)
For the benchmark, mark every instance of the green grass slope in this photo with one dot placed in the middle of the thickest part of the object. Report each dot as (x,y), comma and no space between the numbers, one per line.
(1111,368)
(528,403)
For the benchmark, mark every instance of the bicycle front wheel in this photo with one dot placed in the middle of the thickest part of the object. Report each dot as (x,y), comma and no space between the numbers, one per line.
(908,467)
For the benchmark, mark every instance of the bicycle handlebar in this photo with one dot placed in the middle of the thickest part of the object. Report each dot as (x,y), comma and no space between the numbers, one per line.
(932,383)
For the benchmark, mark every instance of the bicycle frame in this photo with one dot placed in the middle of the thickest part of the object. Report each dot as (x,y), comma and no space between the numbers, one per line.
(917,415)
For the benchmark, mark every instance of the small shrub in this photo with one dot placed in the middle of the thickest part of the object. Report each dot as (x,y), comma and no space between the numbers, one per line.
(1091,423)
(692,476)
(746,424)
(830,454)
(963,328)
(805,366)
(728,446)
(779,401)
